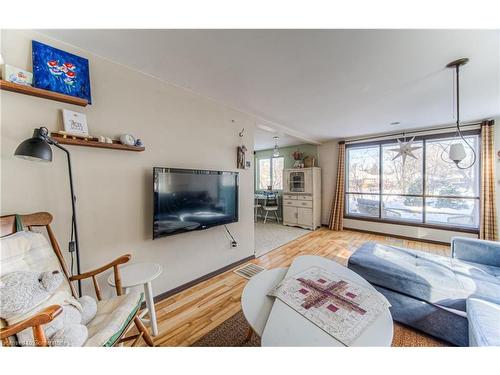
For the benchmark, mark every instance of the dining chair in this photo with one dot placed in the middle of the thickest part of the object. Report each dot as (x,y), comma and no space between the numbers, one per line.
(271,205)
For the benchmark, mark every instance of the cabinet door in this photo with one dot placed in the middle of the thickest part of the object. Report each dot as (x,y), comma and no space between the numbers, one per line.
(304,216)
(308,182)
(290,214)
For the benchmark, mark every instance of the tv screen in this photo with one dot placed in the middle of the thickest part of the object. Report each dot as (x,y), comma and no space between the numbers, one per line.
(193,199)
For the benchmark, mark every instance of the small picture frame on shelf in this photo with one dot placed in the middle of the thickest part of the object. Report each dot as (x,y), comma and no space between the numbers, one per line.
(15,75)
(75,123)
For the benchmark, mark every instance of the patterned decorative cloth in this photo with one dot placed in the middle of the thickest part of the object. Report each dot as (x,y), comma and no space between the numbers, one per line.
(337,213)
(488,229)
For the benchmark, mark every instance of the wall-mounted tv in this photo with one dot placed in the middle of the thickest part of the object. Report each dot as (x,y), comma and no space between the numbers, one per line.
(193,199)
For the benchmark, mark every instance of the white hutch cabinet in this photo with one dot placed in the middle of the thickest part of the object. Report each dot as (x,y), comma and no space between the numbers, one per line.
(302,197)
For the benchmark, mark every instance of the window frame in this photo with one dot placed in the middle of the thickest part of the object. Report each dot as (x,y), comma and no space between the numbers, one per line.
(424,196)
(271,171)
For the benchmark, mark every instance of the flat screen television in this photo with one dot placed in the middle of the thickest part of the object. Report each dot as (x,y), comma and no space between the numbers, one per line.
(193,199)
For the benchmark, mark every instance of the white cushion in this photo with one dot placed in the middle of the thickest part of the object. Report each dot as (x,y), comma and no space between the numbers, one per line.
(31,251)
(113,316)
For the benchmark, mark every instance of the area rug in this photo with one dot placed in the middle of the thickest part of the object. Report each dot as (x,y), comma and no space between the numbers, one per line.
(233,332)
(270,236)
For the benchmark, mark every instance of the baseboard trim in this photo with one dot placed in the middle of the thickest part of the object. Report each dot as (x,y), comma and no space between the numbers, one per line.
(398,236)
(191,283)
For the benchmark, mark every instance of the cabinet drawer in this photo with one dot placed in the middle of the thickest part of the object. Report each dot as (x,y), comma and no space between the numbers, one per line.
(287,196)
(305,197)
(288,202)
(308,204)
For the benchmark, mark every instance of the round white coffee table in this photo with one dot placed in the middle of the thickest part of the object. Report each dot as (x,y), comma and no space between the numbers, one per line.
(279,325)
(255,302)
(141,274)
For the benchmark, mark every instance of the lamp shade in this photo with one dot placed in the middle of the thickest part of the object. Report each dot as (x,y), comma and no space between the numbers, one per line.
(457,152)
(35,148)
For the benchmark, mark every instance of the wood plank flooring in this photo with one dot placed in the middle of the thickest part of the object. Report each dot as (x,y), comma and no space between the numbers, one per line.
(189,315)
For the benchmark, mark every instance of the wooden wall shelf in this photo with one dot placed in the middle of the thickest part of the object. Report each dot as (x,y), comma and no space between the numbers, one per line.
(93,142)
(40,93)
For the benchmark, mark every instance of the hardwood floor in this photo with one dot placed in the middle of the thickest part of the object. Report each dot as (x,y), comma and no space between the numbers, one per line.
(189,315)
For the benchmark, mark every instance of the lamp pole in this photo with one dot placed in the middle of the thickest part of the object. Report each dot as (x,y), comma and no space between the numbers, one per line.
(38,148)
(74,227)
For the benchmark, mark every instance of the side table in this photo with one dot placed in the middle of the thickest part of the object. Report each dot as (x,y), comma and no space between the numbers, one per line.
(136,274)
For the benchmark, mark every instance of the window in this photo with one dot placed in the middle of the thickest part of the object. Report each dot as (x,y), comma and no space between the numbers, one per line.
(430,190)
(270,173)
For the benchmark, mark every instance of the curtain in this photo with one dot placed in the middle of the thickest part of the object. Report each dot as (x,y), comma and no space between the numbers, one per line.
(488,229)
(337,213)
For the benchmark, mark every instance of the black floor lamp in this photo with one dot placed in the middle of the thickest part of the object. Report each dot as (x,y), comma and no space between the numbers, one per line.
(38,148)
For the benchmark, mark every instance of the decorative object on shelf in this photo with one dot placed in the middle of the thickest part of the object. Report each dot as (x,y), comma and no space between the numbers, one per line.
(15,75)
(37,148)
(75,123)
(127,139)
(276,151)
(139,143)
(309,161)
(241,151)
(97,142)
(405,149)
(457,151)
(73,136)
(297,157)
(60,71)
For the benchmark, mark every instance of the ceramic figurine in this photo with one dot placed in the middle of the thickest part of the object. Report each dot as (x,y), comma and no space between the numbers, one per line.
(127,139)
(139,143)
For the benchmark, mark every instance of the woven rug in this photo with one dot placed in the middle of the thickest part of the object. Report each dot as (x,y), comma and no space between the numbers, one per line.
(233,332)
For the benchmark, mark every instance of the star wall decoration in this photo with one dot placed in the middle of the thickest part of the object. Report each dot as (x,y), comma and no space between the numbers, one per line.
(405,149)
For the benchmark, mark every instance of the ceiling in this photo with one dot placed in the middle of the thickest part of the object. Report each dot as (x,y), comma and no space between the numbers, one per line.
(263,139)
(317,84)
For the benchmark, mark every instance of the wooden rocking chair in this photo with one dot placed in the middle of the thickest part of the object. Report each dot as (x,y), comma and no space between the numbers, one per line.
(105,308)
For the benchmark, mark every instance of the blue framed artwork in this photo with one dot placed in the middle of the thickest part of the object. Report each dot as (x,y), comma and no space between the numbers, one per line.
(60,71)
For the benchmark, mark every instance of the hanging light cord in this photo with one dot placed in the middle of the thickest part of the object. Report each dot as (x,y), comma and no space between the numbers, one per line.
(459,132)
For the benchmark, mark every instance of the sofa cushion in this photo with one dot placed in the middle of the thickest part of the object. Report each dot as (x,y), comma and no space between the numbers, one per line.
(484,322)
(112,318)
(432,278)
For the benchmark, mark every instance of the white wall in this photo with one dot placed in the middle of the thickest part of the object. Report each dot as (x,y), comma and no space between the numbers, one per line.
(114,188)
(429,234)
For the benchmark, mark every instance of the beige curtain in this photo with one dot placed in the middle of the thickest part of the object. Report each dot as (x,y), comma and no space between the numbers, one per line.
(488,229)
(337,213)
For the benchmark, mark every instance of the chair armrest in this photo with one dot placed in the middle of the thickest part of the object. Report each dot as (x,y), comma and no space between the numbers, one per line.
(114,264)
(121,260)
(476,251)
(43,317)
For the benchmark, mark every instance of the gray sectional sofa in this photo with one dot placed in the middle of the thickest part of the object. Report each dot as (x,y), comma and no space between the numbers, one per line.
(456,299)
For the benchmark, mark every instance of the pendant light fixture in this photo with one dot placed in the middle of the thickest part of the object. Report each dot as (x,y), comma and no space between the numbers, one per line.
(276,152)
(457,151)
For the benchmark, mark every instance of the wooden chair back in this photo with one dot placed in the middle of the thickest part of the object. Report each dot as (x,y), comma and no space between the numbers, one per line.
(271,200)
(31,221)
